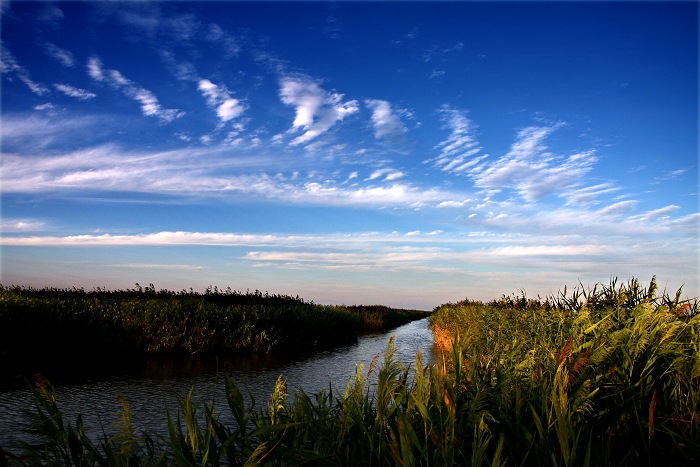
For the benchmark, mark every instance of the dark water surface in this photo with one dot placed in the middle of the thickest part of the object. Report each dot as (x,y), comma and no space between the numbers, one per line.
(149,384)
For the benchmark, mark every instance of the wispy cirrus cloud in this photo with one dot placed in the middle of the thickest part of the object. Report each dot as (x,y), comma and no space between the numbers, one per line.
(388,174)
(201,173)
(78,93)
(156,25)
(62,56)
(529,168)
(661,213)
(21,225)
(502,256)
(458,153)
(26,133)
(316,110)
(588,195)
(618,209)
(217,35)
(150,106)
(10,67)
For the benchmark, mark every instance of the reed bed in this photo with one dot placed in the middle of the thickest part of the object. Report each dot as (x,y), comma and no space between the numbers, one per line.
(382,318)
(609,376)
(40,325)
(44,324)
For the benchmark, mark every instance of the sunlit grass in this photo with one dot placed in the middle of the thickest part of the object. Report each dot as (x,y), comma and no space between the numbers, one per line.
(603,376)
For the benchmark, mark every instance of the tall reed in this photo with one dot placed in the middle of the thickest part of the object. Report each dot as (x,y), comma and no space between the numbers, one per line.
(54,325)
(609,376)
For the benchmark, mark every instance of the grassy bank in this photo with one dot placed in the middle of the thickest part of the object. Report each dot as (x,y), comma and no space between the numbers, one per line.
(609,376)
(41,324)
(382,318)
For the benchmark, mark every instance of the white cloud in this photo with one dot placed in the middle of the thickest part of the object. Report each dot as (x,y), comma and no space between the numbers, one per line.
(219,36)
(503,258)
(150,106)
(9,66)
(21,225)
(387,124)
(529,168)
(451,204)
(47,106)
(618,209)
(71,91)
(32,133)
(394,176)
(388,174)
(316,109)
(588,195)
(218,97)
(550,250)
(94,67)
(534,172)
(155,24)
(458,150)
(117,79)
(655,214)
(201,173)
(64,57)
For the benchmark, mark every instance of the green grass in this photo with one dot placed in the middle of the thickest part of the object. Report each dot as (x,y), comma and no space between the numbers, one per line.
(382,318)
(609,376)
(605,376)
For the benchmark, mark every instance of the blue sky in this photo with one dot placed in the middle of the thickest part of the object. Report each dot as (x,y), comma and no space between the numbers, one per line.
(408,154)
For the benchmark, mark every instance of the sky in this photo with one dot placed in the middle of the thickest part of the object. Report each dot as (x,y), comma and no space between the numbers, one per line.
(405,154)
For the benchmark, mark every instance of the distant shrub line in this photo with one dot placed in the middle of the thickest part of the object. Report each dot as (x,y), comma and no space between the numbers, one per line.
(55,323)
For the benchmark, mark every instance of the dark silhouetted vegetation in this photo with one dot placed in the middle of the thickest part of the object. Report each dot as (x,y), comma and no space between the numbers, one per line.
(58,324)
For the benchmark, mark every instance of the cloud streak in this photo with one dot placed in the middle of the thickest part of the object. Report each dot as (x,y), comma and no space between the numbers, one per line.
(150,106)
(588,257)
(62,56)
(200,173)
(71,91)
(9,66)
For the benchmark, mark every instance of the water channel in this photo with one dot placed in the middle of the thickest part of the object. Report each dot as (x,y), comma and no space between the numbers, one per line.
(148,385)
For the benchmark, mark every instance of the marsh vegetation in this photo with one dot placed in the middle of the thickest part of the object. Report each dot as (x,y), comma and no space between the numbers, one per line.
(608,376)
(52,325)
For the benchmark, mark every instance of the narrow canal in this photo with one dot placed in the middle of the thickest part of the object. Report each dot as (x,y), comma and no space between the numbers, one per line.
(149,384)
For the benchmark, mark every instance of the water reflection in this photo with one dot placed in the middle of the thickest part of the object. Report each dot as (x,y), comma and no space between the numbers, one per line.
(148,384)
